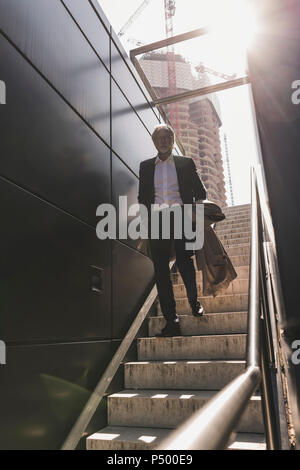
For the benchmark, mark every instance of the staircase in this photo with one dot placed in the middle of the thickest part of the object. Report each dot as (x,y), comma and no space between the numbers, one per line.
(176,376)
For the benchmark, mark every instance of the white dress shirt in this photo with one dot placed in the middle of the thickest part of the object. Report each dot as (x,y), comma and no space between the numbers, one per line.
(166,188)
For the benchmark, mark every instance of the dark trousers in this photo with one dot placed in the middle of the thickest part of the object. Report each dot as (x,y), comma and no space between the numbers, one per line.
(160,251)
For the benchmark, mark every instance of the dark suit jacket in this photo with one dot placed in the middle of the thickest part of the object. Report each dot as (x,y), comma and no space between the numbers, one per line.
(190,185)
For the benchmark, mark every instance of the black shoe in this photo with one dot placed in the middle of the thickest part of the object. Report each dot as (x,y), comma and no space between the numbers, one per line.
(197,309)
(171,329)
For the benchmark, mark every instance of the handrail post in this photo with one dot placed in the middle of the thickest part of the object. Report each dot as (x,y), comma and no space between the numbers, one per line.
(253,338)
(266,352)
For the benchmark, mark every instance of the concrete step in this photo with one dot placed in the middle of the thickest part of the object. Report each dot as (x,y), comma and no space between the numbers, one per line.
(126,438)
(134,438)
(170,408)
(236,210)
(240,260)
(243,249)
(242,272)
(230,216)
(248,441)
(237,286)
(236,207)
(241,213)
(181,375)
(239,208)
(232,230)
(234,241)
(235,218)
(229,235)
(220,303)
(227,224)
(208,324)
(192,347)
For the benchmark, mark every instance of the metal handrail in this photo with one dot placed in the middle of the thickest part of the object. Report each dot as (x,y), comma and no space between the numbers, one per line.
(97,395)
(211,427)
(273,313)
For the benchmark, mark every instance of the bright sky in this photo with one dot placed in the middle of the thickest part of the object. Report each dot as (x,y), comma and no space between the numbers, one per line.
(233,26)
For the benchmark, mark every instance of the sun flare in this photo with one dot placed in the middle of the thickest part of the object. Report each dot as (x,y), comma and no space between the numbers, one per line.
(231,26)
(233,21)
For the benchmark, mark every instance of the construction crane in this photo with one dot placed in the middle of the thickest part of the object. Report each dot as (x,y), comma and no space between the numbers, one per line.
(202,69)
(133,17)
(134,42)
(228,169)
(170,8)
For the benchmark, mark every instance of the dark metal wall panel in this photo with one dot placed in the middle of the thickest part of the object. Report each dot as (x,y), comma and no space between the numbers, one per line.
(131,89)
(124,183)
(132,147)
(45,146)
(133,71)
(54,173)
(85,16)
(128,285)
(47,35)
(43,390)
(100,13)
(45,273)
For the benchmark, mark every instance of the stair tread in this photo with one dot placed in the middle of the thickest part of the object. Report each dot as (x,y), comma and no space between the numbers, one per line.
(243,245)
(167,393)
(187,361)
(233,226)
(237,279)
(232,229)
(180,374)
(168,408)
(248,441)
(151,437)
(240,239)
(132,434)
(208,314)
(217,296)
(206,346)
(151,338)
(246,233)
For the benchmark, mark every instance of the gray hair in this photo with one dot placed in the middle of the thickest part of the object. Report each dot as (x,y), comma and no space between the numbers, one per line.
(163,126)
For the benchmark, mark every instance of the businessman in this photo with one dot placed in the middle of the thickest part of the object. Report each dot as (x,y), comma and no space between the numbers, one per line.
(168,179)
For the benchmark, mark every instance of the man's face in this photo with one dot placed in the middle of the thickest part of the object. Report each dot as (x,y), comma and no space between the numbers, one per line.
(163,141)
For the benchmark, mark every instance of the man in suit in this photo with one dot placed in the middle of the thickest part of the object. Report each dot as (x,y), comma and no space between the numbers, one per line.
(168,179)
